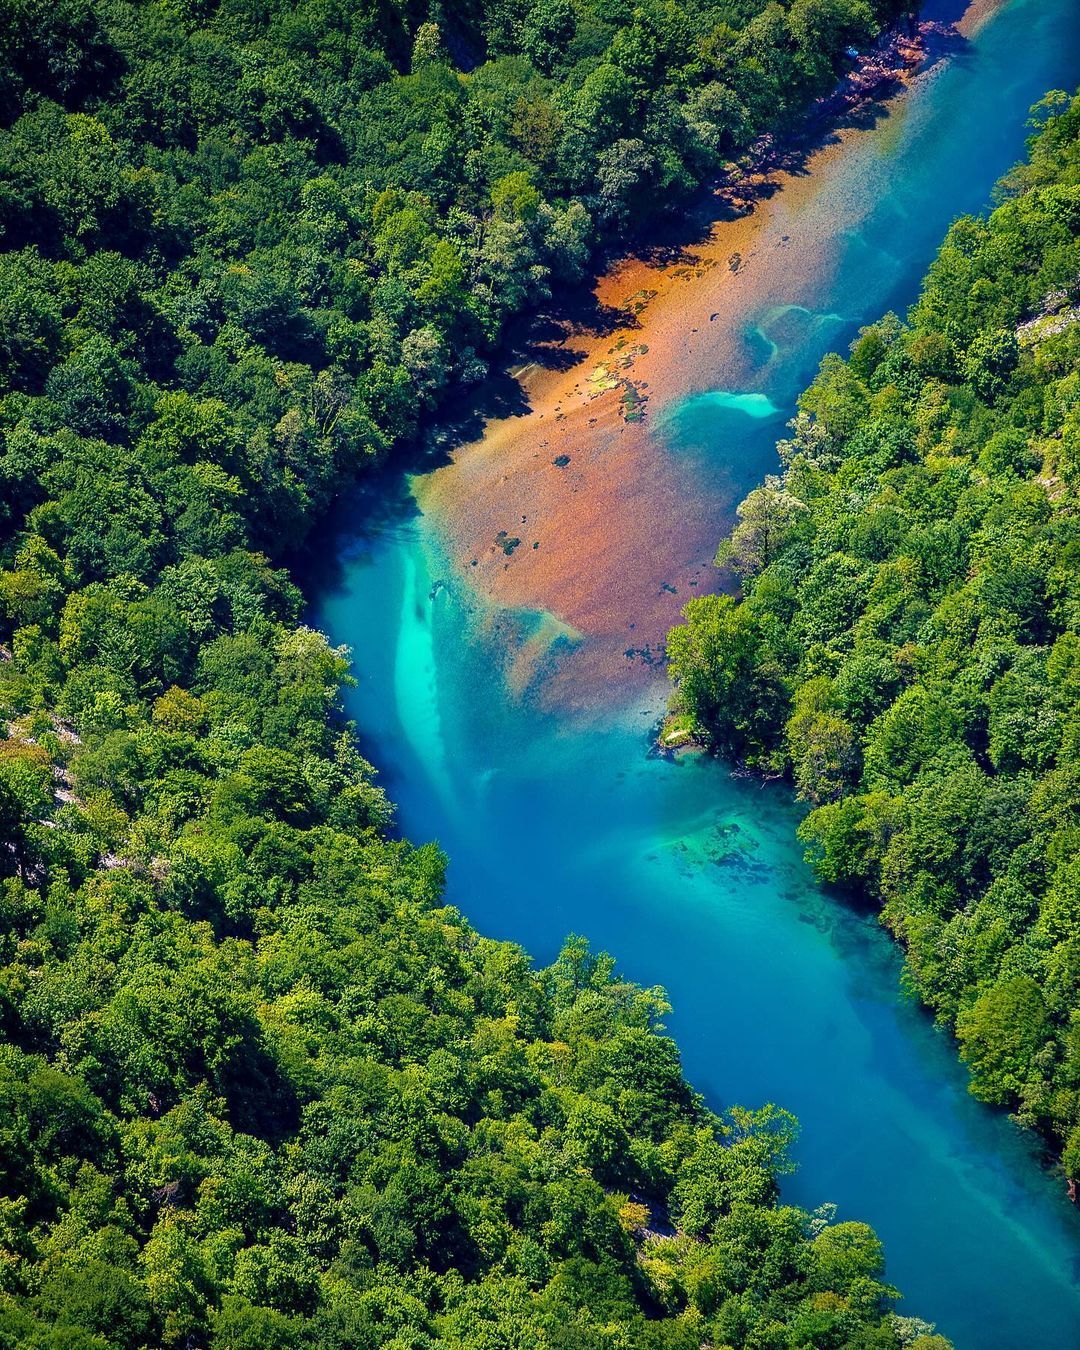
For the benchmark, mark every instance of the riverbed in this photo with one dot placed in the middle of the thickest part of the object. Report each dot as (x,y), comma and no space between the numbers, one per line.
(507,690)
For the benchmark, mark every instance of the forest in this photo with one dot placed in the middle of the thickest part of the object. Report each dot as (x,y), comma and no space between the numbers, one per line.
(261,1087)
(905,640)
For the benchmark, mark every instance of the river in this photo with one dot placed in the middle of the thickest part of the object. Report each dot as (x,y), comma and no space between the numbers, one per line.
(508,702)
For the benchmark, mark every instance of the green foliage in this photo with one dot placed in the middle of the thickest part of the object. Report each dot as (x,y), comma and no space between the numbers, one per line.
(908,650)
(718,660)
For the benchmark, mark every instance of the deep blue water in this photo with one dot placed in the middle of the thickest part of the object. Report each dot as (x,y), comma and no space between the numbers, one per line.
(692,878)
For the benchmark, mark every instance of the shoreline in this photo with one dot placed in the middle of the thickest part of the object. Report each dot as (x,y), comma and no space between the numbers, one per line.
(533,514)
(558,482)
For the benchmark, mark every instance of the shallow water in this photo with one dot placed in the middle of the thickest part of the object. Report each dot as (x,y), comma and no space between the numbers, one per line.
(692,878)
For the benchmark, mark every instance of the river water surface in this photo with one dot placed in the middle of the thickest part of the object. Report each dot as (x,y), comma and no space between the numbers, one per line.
(540,784)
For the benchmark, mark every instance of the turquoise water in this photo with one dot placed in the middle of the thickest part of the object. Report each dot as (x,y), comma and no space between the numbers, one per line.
(690,876)
(707,408)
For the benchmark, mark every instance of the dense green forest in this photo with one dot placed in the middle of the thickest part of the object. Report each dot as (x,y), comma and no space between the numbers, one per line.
(260,1088)
(907,643)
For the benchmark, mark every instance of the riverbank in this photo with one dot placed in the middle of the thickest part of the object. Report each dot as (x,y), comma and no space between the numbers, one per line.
(572,507)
